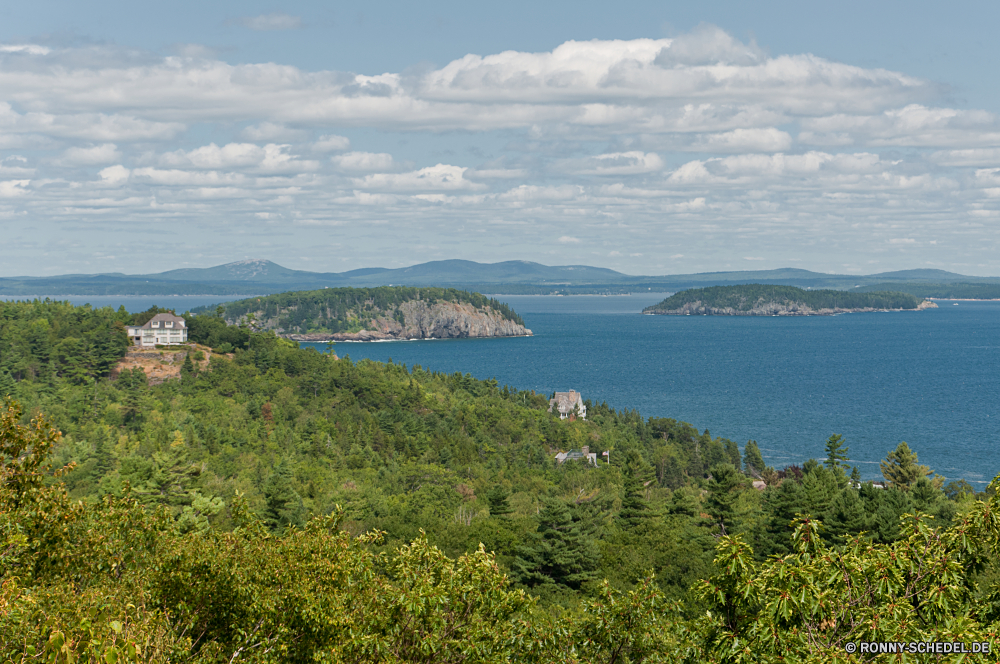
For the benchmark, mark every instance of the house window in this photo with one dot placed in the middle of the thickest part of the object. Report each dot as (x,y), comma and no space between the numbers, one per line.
(155,323)
(169,323)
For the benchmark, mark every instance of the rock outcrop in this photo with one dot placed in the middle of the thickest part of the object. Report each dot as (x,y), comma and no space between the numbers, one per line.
(771,309)
(441,320)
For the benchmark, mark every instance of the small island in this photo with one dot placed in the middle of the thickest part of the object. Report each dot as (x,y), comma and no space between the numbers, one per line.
(376,314)
(770,300)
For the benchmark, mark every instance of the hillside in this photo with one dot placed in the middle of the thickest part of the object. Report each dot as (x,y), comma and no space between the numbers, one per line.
(769,300)
(260,277)
(282,505)
(367,314)
(942,291)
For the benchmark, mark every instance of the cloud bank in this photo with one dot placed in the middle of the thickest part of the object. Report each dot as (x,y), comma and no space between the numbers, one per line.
(648,155)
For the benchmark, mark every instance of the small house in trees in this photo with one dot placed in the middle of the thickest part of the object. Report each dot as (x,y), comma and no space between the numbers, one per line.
(163,329)
(569,405)
(574,455)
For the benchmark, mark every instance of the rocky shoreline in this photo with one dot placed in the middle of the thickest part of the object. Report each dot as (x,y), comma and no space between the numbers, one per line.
(773,309)
(441,320)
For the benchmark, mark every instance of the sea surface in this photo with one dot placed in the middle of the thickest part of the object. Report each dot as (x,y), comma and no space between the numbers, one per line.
(930,378)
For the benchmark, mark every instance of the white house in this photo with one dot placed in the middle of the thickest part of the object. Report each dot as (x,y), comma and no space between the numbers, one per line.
(568,403)
(162,329)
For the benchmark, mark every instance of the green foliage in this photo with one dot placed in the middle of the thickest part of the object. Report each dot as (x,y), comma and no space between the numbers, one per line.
(558,552)
(751,296)
(333,310)
(186,531)
(752,459)
(50,342)
(952,291)
(900,467)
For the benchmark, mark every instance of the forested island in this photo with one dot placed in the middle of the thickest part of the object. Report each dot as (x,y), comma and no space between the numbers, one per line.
(277,504)
(370,314)
(769,300)
(951,291)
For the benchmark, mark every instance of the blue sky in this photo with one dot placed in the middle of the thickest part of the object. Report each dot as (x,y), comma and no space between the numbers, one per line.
(645,137)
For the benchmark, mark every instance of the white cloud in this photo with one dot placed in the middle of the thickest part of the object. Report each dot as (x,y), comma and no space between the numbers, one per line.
(27,49)
(271,131)
(569,239)
(115,175)
(614,163)
(767,139)
(92,156)
(276,21)
(438,177)
(513,149)
(13,188)
(331,143)
(271,158)
(363,161)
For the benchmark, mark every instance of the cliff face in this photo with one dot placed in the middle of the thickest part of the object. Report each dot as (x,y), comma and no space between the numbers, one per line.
(442,320)
(771,309)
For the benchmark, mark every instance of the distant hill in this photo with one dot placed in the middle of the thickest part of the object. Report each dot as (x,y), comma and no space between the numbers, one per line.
(263,277)
(771,300)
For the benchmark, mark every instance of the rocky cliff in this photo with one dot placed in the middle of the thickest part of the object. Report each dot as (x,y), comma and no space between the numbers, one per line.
(698,308)
(420,320)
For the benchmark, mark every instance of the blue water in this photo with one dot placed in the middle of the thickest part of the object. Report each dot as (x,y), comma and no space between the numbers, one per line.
(931,378)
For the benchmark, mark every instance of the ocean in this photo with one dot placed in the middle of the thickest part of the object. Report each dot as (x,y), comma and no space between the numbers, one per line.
(930,378)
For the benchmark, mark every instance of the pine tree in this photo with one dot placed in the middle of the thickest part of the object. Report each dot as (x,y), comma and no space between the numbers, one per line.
(846,517)
(901,469)
(498,500)
(752,459)
(187,367)
(783,503)
(723,492)
(283,506)
(820,487)
(558,552)
(836,452)
(7,384)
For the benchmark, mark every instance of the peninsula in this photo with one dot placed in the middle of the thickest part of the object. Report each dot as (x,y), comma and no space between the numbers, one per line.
(769,300)
(376,314)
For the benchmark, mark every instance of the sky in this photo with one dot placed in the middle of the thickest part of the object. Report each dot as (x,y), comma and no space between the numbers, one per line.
(646,137)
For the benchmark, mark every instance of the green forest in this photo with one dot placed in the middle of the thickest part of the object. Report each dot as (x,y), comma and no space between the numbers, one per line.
(752,296)
(951,291)
(335,310)
(283,505)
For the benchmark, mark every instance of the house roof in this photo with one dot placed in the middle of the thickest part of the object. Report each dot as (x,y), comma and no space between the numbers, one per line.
(565,401)
(161,318)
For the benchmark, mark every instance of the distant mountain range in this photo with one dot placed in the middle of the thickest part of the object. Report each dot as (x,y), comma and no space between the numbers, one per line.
(261,277)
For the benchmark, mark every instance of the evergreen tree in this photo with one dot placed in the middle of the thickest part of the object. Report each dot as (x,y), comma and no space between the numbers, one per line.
(901,469)
(7,384)
(187,367)
(733,454)
(846,516)
(855,476)
(782,503)
(283,506)
(638,475)
(836,452)
(752,459)
(497,499)
(723,492)
(558,552)
(819,489)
